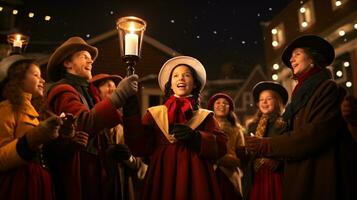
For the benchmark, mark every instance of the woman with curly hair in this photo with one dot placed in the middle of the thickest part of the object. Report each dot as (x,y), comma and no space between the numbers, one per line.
(22,170)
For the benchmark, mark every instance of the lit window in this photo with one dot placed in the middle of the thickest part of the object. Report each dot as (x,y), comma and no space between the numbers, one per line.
(47,18)
(348,84)
(346,64)
(276,66)
(341,32)
(278,36)
(306,15)
(337,3)
(275,77)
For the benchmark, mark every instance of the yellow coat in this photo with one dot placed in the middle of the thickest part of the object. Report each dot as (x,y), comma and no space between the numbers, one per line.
(12,127)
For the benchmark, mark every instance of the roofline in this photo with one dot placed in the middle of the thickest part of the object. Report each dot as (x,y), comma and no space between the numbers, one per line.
(113,32)
(169,51)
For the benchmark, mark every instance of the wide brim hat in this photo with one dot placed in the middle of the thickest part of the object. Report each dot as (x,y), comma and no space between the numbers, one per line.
(312,42)
(216,96)
(69,47)
(95,80)
(270,85)
(9,61)
(169,65)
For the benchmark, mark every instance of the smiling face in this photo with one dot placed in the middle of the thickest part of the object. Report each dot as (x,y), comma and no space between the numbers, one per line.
(182,82)
(300,62)
(221,108)
(267,102)
(80,64)
(33,82)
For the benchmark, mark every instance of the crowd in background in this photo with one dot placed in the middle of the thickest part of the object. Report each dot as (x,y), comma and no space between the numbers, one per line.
(84,137)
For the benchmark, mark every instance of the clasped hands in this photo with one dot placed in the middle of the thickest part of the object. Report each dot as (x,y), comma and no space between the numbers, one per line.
(258,145)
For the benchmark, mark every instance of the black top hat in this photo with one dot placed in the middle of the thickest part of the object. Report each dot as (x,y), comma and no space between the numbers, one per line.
(270,85)
(313,42)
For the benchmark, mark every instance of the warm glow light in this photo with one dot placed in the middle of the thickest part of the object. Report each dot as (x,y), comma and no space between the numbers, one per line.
(1,8)
(302,10)
(31,15)
(131,41)
(355,26)
(275,43)
(274,31)
(341,32)
(338,3)
(348,84)
(346,64)
(15,12)
(47,18)
(17,41)
(276,66)
(339,73)
(304,24)
(275,77)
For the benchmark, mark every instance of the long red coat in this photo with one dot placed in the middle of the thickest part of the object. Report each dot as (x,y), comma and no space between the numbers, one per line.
(176,170)
(79,174)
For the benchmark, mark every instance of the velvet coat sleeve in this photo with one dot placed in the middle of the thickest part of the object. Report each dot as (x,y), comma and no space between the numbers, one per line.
(64,98)
(315,126)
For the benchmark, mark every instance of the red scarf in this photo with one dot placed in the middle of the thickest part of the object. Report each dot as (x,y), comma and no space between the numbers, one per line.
(179,109)
(305,76)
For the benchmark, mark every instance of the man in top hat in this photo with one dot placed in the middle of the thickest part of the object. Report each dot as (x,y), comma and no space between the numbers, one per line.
(80,174)
(319,152)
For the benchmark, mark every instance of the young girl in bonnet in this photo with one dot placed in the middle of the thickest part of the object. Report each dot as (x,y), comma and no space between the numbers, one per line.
(182,140)
(228,171)
(264,179)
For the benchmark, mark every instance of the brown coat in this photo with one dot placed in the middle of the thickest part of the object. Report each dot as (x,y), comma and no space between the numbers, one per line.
(318,149)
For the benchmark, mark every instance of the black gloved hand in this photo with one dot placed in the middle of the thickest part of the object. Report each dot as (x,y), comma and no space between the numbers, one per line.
(67,129)
(183,132)
(118,152)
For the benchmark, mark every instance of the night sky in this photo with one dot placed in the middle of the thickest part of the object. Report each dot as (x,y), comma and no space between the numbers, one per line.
(215,32)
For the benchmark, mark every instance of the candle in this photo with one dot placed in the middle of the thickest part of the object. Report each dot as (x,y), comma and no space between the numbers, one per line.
(131,44)
(17,42)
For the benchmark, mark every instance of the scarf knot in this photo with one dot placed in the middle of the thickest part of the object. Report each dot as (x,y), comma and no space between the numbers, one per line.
(179,109)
